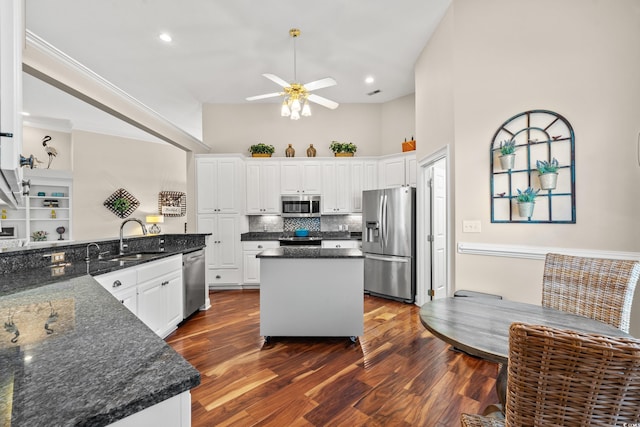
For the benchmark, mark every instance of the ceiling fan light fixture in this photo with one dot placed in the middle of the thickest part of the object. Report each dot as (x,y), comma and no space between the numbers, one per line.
(295,105)
(284,111)
(295,115)
(306,109)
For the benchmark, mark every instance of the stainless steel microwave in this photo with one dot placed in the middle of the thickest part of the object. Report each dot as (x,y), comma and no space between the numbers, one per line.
(304,206)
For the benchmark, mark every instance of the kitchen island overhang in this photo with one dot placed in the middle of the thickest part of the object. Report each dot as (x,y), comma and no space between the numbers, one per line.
(311,292)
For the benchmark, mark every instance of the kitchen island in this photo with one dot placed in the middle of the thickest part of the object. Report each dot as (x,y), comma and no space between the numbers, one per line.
(310,291)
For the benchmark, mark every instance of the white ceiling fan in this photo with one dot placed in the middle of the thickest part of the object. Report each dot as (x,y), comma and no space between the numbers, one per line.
(296,95)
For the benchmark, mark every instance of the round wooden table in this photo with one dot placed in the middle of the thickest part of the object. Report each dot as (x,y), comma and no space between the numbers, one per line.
(480,326)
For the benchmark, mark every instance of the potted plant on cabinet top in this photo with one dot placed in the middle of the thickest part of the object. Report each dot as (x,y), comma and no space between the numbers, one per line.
(508,156)
(343,149)
(261,150)
(547,173)
(526,201)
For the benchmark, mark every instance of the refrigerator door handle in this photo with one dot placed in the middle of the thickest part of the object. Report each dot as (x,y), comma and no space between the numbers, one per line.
(387,258)
(385,230)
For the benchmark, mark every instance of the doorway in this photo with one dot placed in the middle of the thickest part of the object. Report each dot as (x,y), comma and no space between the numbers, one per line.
(434,215)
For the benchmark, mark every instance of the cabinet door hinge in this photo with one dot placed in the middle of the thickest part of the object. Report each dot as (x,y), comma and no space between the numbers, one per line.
(431,293)
(430,238)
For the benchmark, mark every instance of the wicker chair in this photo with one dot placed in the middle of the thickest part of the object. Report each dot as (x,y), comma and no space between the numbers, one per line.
(565,378)
(601,289)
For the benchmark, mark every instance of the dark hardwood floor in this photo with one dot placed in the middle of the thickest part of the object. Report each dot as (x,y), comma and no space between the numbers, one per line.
(397,374)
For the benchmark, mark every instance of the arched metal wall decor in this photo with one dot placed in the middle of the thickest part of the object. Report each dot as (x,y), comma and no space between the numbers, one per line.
(539,135)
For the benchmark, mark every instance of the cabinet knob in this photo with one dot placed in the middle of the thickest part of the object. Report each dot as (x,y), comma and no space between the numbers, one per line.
(117,283)
(259,246)
(338,246)
(218,276)
(165,283)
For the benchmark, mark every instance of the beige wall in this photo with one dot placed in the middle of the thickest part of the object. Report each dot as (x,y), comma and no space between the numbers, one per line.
(103,164)
(582,61)
(375,128)
(398,124)
(61,141)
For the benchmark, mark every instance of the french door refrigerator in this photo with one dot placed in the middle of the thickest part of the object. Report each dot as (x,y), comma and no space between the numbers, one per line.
(388,242)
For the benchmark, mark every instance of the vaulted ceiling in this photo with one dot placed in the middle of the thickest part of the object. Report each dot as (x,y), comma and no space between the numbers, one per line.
(220,48)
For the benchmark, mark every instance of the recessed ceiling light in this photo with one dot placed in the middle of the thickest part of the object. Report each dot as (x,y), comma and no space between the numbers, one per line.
(165,37)
(369,79)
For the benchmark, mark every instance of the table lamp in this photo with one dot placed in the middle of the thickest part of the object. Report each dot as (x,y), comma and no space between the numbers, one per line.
(154,220)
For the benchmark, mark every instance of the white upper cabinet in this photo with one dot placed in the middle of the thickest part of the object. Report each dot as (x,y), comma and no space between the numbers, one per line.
(11,41)
(300,177)
(219,184)
(364,176)
(397,170)
(336,182)
(263,187)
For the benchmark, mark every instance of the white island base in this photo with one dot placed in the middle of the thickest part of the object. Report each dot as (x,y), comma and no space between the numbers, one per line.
(312,297)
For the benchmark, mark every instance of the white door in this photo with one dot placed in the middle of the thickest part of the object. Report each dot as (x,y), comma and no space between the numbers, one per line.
(227,185)
(254,193)
(439,230)
(270,186)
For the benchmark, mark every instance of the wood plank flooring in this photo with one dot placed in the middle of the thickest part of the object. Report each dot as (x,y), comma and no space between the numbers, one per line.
(397,374)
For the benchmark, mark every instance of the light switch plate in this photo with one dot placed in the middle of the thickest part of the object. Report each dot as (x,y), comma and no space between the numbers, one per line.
(471,226)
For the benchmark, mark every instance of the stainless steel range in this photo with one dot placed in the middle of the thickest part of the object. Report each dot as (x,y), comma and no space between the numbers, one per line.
(300,241)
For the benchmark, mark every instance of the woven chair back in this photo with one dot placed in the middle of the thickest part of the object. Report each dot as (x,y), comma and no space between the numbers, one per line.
(601,289)
(565,378)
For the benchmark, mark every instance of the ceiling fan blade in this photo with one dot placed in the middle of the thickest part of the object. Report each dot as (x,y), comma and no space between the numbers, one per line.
(266,95)
(323,101)
(319,84)
(277,80)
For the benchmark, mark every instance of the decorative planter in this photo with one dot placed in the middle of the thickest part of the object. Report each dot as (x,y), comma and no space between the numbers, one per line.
(290,151)
(525,209)
(548,181)
(344,154)
(507,161)
(260,155)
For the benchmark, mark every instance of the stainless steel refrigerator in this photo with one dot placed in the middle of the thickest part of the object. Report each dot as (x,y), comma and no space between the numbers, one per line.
(388,242)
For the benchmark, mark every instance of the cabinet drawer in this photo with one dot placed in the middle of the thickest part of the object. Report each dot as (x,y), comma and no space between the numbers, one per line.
(154,269)
(353,244)
(225,276)
(118,280)
(260,245)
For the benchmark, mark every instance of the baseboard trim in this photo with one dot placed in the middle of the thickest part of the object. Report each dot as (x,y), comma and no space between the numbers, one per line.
(538,252)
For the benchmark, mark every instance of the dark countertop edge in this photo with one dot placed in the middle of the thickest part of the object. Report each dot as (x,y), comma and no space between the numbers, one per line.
(275,235)
(83,243)
(310,252)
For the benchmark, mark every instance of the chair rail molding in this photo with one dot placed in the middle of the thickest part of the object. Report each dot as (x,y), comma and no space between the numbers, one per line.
(538,252)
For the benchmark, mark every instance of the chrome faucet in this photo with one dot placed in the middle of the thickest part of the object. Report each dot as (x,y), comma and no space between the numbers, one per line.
(89,247)
(144,231)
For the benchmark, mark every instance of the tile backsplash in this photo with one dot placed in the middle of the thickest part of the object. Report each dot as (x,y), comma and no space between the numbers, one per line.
(273,223)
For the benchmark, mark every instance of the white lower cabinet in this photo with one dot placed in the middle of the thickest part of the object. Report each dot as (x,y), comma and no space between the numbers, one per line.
(152,291)
(223,249)
(251,264)
(349,244)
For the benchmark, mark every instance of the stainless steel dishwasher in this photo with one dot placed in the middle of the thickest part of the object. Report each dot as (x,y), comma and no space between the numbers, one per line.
(193,265)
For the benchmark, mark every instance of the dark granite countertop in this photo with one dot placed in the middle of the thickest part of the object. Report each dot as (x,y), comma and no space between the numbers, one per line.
(30,268)
(82,358)
(93,362)
(325,235)
(309,252)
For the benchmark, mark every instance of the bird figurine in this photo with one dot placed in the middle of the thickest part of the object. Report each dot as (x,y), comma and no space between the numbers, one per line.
(51,152)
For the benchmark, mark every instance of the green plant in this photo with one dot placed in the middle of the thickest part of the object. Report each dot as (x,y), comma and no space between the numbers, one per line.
(121,204)
(527,196)
(343,147)
(544,166)
(262,149)
(507,147)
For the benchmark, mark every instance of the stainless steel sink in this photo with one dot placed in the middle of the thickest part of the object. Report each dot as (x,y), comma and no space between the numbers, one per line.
(135,257)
